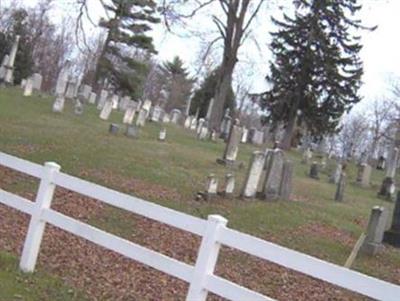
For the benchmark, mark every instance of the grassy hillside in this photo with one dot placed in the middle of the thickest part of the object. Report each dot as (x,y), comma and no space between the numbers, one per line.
(171,173)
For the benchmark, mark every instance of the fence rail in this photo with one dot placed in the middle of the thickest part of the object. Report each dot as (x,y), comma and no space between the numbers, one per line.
(213,231)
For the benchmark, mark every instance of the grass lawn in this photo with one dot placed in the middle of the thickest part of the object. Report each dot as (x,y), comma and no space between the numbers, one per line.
(313,223)
(18,286)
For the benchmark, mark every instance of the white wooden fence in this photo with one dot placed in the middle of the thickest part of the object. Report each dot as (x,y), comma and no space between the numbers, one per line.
(213,231)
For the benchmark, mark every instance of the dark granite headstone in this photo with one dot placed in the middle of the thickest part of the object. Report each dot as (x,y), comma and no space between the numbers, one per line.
(392,236)
(314,169)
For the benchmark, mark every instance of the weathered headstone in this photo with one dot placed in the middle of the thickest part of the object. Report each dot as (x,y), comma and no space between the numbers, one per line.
(381,163)
(203,133)
(129,115)
(213,136)
(258,137)
(335,176)
(115,101)
(86,90)
(92,98)
(392,236)
(106,110)
(229,185)
(200,125)
(71,89)
(162,135)
(314,170)
(232,146)
(37,81)
(388,185)
(187,122)
(341,186)
(141,119)
(3,67)
(132,131)
(166,118)
(193,124)
(364,175)
(286,181)
(78,108)
(212,186)
(156,114)
(244,135)
(23,83)
(175,116)
(253,174)
(102,99)
(9,75)
(273,178)
(58,105)
(113,129)
(124,103)
(28,87)
(376,228)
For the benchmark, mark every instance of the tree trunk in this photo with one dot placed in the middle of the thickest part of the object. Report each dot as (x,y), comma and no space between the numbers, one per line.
(220,97)
(286,142)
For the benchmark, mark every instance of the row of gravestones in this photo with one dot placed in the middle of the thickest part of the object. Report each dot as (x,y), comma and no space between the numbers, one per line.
(269,177)
(364,171)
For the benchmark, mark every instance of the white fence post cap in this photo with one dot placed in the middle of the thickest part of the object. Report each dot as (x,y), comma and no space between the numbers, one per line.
(217,219)
(52,165)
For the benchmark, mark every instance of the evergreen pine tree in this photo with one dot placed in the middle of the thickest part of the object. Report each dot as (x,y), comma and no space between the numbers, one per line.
(178,84)
(126,42)
(317,70)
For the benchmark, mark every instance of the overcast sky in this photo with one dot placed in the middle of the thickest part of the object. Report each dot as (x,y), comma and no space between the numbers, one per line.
(380,53)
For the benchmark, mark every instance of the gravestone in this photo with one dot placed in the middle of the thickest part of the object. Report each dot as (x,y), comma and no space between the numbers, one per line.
(203,133)
(28,87)
(166,118)
(364,175)
(37,81)
(175,116)
(229,185)
(200,125)
(253,174)
(124,103)
(245,134)
(193,124)
(212,186)
(9,73)
(314,170)
(115,101)
(225,127)
(273,175)
(129,115)
(132,131)
(78,108)
(335,176)
(141,119)
(187,122)
(392,236)
(258,137)
(3,67)
(375,230)
(71,89)
(286,181)
(381,163)
(58,105)
(92,98)
(23,83)
(339,195)
(106,110)
(162,135)
(213,136)
(86,90)
(147,106)
(388,185)
(113,129)
(102,99)
(232,145)
(156,114)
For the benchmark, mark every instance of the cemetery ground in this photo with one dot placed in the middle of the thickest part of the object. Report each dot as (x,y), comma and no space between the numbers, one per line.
(168,173)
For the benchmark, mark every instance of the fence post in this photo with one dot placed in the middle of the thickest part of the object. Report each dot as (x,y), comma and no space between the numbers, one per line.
(36,228)
(206,258)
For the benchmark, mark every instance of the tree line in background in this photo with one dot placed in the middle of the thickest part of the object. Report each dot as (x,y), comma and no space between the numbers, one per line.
(314,77)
